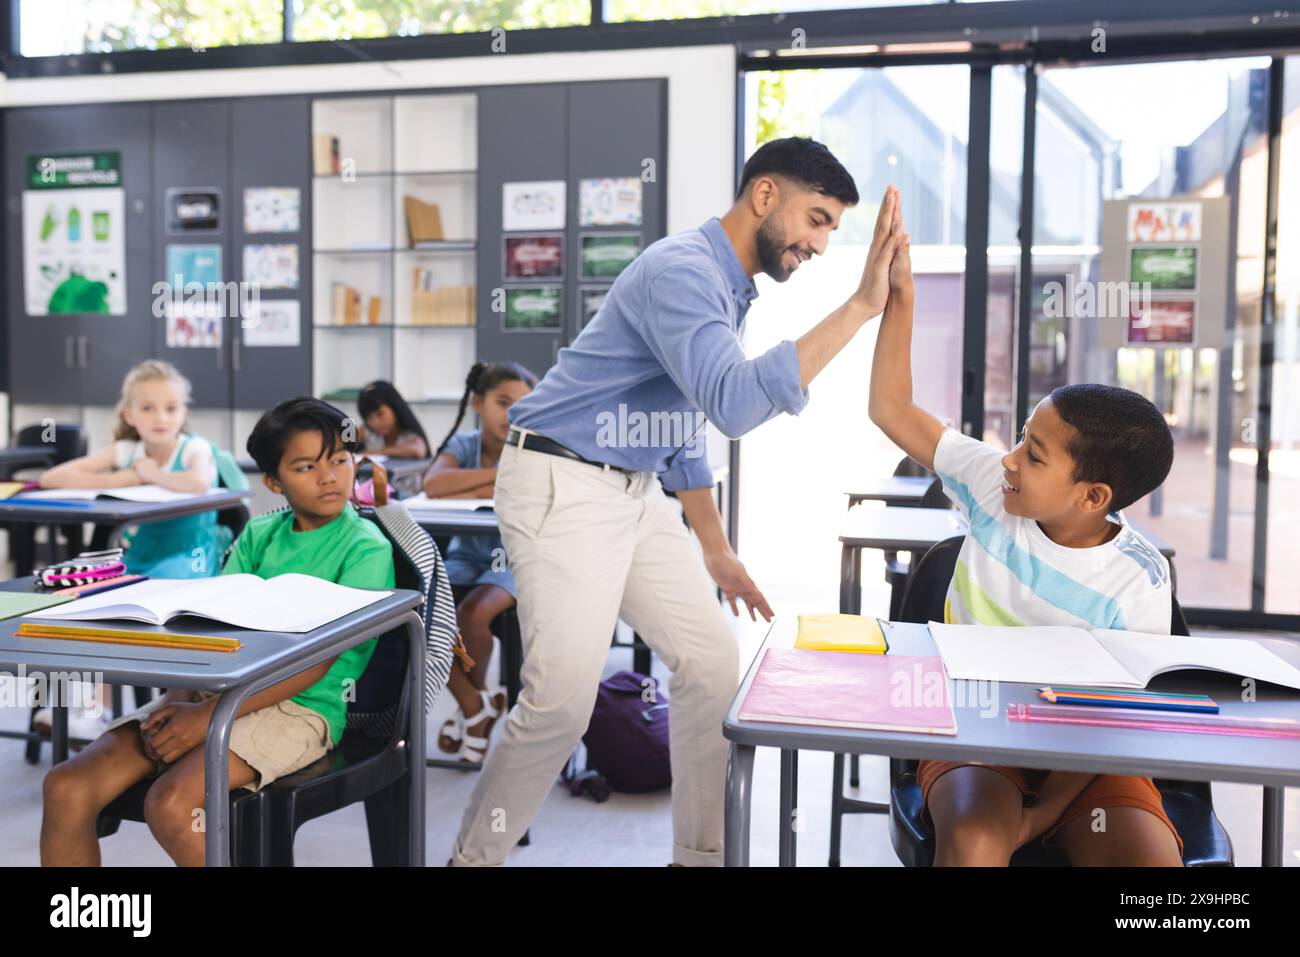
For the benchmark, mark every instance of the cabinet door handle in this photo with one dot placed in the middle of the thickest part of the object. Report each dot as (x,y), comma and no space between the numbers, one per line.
(67,351)
(234,355)
(220,358)
(83,351)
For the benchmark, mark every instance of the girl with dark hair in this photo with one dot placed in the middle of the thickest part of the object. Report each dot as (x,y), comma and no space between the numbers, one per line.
(391,427)
(465,467)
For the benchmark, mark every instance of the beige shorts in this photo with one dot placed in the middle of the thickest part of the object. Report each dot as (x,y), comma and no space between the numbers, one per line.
(274,741)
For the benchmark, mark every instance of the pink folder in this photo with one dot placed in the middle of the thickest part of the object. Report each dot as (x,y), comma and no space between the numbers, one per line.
(839,689)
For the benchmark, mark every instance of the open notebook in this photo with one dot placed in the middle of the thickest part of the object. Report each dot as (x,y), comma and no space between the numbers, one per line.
(131,493)
(464,504)
(292,603)
(1076,656)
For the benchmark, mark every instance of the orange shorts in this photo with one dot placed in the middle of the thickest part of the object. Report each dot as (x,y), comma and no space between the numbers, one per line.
(1105,790)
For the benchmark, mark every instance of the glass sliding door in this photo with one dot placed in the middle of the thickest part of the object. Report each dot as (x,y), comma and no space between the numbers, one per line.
(906,126)
(1159,133)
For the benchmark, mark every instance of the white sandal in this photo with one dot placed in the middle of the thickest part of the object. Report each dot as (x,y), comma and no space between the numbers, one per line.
(473,748)
(453,730)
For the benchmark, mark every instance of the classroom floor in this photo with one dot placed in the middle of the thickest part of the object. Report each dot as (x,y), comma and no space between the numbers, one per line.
(627,830)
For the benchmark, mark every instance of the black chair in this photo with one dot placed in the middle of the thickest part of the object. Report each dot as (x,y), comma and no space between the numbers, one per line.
(360,768)
(1188,803)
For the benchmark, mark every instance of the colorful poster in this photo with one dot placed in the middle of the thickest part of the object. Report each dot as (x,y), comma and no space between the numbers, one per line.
(195,303)
(193,209)
(193,328)
(193,264)
(533,309)
(1164,267)
(533,257)
(1162,322)
(274,322)
(590,299)
(605,255)
(1164,222)
(272,209)
(609,202)
(74,235)
(272,266)
(532,206)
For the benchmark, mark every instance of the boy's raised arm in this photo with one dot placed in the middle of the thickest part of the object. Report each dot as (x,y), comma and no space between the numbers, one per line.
(908,426)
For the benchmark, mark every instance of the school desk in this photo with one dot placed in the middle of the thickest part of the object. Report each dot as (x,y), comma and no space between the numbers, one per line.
(1272,763)
(116,514)
(904,491)
(266,658)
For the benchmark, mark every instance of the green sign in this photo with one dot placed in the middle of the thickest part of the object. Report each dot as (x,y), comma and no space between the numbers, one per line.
(74,170)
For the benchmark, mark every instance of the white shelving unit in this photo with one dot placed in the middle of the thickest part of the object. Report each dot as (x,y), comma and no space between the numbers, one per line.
(391,147)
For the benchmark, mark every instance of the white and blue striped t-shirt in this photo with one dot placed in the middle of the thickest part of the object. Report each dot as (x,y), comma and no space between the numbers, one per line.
(1010,573)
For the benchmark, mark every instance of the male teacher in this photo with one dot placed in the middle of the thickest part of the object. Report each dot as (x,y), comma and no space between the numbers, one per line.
(588,532)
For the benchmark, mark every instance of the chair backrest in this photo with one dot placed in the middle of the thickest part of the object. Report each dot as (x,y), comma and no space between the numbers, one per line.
(935,497)
(927,584)
(379,708)
(229,472)
(910,468)
(69,440)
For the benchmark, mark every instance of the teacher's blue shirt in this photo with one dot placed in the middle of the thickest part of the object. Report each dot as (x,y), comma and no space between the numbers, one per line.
(662,354)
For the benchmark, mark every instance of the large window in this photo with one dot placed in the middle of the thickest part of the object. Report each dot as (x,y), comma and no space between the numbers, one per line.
(1200,135)
(617,11)
(55,27)
(358,19)
(901,125)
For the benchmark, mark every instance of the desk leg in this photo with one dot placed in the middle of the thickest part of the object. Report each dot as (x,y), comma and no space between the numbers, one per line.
(216,778)
(1271,855)
(850,580)
(59,727)
(788,843)
(415,743)
(740,787)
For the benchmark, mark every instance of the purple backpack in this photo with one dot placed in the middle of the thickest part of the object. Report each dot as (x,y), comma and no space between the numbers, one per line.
(627,740)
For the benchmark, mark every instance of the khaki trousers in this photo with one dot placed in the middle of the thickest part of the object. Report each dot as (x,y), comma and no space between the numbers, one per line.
(588,546)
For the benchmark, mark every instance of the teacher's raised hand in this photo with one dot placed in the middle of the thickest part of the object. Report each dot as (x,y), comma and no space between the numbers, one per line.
(873,290)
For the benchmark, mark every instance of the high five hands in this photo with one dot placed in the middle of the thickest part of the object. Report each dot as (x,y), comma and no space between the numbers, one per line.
(886,270)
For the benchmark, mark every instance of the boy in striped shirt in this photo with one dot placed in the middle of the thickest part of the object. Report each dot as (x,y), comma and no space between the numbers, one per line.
(1046,547)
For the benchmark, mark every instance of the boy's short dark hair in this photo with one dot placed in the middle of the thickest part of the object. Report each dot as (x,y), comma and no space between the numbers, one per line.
(805,161)
(1120,439)
(277,426)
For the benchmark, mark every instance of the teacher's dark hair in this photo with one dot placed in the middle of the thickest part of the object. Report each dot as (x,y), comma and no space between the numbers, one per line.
(277,426)
(805,161)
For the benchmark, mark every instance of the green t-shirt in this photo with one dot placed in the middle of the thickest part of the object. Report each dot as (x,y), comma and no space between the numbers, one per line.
(349,551)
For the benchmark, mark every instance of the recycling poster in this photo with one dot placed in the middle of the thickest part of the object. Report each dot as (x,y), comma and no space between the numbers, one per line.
(74,236)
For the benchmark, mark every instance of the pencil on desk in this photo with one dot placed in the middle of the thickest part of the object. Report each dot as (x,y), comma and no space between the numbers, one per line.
(158,639)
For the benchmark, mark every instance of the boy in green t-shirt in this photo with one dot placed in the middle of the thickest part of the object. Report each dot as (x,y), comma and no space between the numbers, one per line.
(304,448)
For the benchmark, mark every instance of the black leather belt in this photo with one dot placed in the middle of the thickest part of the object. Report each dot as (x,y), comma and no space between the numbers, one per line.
(540,443)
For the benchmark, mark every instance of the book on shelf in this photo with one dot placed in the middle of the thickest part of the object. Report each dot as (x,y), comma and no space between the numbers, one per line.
(439,305)
(373,309)
(345,308)
(423,220)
